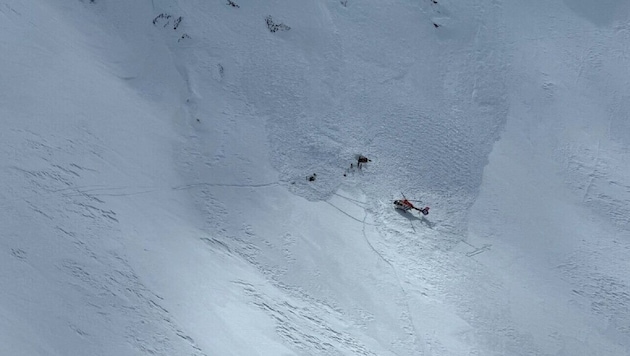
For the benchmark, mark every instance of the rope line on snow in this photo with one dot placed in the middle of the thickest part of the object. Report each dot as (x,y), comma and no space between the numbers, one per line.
(194,185)
(104,191)
(348,215)
(358,202)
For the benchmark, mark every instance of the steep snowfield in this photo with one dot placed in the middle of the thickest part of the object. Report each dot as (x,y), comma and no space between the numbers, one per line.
(154,161)
(554,199)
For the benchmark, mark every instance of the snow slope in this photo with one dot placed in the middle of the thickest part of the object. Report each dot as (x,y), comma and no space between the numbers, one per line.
(554,201)
(154,156)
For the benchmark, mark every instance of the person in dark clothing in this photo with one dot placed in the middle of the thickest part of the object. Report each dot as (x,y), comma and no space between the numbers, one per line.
(362,160)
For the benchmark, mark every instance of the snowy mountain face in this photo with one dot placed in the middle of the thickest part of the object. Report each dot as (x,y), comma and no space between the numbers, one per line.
(155,157)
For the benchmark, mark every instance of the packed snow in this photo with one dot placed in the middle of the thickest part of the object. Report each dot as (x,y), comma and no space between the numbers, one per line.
(155,161)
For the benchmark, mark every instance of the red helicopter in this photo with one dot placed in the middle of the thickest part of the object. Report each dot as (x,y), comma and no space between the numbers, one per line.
(405,204)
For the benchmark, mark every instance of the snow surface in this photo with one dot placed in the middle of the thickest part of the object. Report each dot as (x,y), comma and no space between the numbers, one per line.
(154,161)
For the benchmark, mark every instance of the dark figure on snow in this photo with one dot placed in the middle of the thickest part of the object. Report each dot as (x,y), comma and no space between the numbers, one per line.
(362,160)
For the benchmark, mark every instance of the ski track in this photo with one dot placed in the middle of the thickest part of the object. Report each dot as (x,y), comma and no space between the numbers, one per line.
(415,334)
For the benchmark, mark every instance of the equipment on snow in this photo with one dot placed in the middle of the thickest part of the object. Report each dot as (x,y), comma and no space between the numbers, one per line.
(361,160)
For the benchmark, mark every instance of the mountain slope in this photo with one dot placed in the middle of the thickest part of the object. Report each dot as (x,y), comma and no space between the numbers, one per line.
(155,157)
